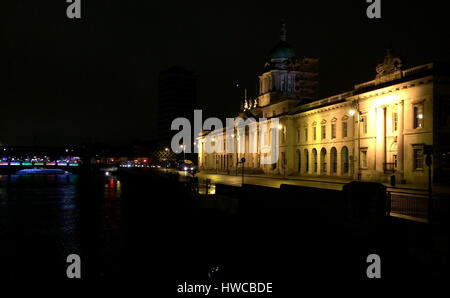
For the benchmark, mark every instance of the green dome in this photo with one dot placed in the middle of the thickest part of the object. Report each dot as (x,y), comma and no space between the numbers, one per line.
(282,50)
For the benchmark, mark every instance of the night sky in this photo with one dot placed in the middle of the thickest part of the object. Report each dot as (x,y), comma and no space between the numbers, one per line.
(67,81)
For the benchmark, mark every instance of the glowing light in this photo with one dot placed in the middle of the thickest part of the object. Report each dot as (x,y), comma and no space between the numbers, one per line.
(420,116)
(38,163)
(280,127)
(27,164)
(185,168)
(385,100)
(73,164)
(3,163)
(107,173)
(42,171)
(50,163)
(352,112)
(167,149)
(15,164)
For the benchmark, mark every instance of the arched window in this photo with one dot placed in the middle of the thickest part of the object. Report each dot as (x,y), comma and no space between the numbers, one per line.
(305,153)
(299,161)
(344,160)
(314,157)
(323,161)
(333,155)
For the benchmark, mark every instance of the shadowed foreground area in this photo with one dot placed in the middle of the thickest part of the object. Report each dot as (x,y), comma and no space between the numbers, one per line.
(142,225)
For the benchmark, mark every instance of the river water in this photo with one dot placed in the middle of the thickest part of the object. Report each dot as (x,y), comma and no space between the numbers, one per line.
(44,218)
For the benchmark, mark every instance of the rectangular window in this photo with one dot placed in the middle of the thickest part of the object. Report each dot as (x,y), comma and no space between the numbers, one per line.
(324,132)
(418,115)
(315,133)
(364,124)
(344,129)
(418,158)
(394,121)
(363,158)
(306,134)
(298,135)
(333,131)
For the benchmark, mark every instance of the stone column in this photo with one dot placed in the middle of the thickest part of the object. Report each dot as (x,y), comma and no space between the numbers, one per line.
(400,149)
(380,126)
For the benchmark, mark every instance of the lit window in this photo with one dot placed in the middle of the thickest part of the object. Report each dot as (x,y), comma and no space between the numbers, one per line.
(333,131)
(418,158)
(324,132)
(364,158)
(418,115)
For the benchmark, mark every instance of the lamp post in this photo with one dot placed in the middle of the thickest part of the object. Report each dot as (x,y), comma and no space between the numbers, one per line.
(183,147)
(167,158)
(352,112)
(428,151)
(243,166)
(283,159)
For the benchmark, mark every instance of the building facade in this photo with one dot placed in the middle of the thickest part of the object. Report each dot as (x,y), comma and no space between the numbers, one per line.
(377,130)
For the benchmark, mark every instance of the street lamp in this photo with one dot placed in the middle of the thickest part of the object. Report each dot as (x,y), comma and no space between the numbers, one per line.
(352,112)
(183,147)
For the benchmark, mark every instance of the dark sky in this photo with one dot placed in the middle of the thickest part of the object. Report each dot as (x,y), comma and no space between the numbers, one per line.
(70,81)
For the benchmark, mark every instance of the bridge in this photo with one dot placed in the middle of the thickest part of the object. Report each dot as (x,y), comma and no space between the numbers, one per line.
(14,159)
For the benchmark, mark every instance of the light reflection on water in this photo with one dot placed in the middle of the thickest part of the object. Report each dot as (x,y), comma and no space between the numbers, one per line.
(44,210)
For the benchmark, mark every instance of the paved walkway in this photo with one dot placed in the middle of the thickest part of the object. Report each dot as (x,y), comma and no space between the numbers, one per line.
(325,182)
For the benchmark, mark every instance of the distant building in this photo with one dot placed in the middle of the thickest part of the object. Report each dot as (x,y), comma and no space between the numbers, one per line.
(176,98)
(378,129)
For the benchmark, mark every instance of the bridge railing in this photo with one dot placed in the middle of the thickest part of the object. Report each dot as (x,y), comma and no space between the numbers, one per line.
(48,164)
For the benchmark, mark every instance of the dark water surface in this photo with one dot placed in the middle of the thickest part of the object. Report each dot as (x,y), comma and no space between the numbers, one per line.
(145,226)
(44,218)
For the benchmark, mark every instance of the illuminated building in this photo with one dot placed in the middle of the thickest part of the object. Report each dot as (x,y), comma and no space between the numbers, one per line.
(372,132)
